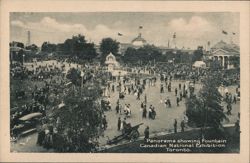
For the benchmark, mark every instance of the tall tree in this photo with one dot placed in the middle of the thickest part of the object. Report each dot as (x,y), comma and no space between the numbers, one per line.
(78,46)
(48,47)
(143,55)
(32,47)
(198,54)
(130,55)
(81,120)
(235,61)
(108,45)
(206,109)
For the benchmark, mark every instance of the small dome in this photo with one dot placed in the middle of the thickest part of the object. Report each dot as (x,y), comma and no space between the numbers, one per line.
(139,41)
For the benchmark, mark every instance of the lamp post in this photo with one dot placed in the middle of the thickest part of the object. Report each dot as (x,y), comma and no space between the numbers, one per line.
(23,58)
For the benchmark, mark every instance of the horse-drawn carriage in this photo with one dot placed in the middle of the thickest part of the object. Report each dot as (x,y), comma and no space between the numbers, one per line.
(128,133)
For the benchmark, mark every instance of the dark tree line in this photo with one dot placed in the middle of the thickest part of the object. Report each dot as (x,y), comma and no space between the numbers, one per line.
(79,48)
(150,54)
(142,55)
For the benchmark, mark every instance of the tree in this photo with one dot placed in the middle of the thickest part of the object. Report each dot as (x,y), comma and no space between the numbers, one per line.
(130,55)
(80,120)
(78,47)
(48,47)
(198,54)
(143,55)
(32,47)
(108,45)
(235,61)
(206,109)
(88,52)
(215,65)
(74,75)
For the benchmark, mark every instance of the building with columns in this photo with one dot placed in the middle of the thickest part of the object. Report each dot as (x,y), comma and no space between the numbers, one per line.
(224,52)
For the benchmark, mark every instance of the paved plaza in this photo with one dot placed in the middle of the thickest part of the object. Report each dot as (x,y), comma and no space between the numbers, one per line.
(164,115)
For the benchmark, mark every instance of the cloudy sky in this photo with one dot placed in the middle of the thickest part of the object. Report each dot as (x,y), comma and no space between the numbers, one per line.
(192,29)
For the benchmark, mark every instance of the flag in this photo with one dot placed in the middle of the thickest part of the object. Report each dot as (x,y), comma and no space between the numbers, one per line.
(140,27)
(233,33)
(224,32)
(119,34)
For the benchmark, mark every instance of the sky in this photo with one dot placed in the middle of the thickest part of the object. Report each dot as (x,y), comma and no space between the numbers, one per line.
(192,29)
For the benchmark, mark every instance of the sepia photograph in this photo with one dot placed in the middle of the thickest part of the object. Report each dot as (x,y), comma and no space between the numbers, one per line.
(110,82)
(125,82)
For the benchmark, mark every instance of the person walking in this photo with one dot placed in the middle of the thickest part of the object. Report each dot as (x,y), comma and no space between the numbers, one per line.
(104,122)
(237,127)
(146,133)
(235,98)
(177,101)
(162,89)
(180,96)
(138,95)
(182,126)
(123,125)
(150,112)
(144,112)
(175,126)
(229,108)
(117,109)
(169,102)
(119,124)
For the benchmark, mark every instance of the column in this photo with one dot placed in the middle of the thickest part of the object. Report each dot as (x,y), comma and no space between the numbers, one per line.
(223,62)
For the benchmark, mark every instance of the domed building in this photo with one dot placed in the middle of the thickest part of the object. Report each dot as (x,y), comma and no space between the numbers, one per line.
(139,41)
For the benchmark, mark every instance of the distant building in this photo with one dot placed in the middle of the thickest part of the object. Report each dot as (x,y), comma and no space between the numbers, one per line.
(16,49)
(139,41)
(222,52)
(136,43)
(113,66)
(111,62)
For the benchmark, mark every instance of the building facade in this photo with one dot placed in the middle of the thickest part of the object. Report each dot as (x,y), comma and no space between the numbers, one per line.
(224,53)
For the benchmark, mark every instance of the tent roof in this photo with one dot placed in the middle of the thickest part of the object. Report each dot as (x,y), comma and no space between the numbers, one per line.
(199,64)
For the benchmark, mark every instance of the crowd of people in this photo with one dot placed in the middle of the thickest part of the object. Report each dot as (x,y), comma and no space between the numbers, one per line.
(52,80)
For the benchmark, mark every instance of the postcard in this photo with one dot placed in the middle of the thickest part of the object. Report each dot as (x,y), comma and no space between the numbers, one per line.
(124,81)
